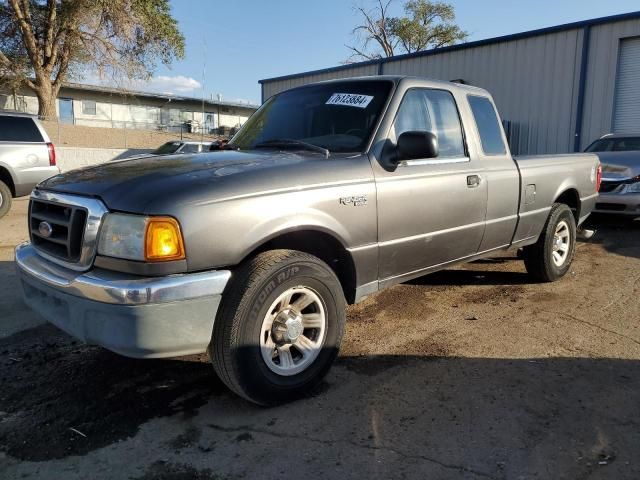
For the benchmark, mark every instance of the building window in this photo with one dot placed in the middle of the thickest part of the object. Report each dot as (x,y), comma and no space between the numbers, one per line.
(174,116)
(88,107)
(20,104)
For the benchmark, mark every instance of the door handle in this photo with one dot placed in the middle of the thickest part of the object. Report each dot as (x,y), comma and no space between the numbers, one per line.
(473,181)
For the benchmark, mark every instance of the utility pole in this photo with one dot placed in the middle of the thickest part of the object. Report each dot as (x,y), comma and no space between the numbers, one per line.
(204,79)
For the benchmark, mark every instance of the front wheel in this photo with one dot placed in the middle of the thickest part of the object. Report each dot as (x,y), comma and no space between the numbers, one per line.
(549,259)
(279,327)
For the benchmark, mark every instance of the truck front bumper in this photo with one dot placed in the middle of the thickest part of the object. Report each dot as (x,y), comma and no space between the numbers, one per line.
(141,317)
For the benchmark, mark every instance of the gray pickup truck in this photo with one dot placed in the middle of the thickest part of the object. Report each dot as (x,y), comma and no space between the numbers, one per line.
(329,193)
(27,157)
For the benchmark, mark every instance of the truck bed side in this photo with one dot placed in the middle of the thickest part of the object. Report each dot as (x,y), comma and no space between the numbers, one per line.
(547,178)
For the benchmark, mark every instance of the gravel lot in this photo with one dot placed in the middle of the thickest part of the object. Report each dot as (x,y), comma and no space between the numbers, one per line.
(469,373)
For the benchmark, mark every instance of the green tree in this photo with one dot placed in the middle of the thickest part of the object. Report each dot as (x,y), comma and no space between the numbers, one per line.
(425,25)
(45,42)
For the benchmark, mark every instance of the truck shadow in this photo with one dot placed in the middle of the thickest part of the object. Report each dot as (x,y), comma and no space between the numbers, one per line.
(473,277)
(620,236)
(522,412)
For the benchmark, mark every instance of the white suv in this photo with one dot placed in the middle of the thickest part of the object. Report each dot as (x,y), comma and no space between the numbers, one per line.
(27,157)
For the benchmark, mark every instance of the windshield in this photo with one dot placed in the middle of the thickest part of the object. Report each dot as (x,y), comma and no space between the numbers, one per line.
(338,116)
(619,144)
(167,148)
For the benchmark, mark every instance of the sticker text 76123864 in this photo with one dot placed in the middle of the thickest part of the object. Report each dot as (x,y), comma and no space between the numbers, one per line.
(350,100)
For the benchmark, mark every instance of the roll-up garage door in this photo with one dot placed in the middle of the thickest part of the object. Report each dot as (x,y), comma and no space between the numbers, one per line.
(627,107)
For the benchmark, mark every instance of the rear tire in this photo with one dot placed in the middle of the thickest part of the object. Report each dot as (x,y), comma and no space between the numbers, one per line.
(5,199)
(279,327)
(549,259)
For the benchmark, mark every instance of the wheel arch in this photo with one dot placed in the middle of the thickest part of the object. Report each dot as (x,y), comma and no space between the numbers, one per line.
(318,242)
(571,198)
(5,176)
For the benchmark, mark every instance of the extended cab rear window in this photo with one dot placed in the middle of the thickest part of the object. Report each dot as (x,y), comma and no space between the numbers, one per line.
(19,129)
(489,128)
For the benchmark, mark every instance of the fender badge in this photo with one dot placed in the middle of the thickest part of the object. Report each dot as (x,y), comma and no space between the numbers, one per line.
(356,200)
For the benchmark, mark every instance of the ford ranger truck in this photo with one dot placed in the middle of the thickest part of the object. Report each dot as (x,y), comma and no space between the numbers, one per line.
(329,193)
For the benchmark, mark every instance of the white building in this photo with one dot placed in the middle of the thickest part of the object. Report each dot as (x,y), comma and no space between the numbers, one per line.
(95,106)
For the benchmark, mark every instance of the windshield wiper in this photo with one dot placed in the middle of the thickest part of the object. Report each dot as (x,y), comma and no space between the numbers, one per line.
(289,142)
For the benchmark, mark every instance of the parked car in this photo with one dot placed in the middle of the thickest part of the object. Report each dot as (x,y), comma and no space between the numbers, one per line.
(620,157)
(171,148)
(27,157)
(332,192)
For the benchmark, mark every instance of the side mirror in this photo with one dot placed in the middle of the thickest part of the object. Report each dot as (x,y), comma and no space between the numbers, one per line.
(417,144)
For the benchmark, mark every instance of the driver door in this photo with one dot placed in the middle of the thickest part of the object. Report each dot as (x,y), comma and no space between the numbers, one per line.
(431,211)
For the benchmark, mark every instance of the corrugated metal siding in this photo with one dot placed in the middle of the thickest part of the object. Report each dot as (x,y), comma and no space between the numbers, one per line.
(271,88)
(601,77)
(627,102)
(534,80)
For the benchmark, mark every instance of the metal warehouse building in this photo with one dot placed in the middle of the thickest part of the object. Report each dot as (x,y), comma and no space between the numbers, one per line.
(557,88)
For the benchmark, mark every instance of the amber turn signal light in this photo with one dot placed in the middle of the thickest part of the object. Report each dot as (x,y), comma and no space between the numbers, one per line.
(163,240)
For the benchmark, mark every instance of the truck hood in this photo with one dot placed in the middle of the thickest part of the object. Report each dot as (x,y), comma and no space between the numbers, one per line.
(135,185)
(619,165)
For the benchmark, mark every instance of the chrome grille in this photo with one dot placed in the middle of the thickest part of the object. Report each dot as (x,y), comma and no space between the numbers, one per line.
(64,228)
(614,207)
(608,186)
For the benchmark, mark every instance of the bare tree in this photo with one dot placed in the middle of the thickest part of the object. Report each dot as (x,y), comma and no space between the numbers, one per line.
(45,42)
(375,27)
(425,25)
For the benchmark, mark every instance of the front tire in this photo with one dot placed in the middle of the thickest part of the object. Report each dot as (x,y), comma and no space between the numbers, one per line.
(279,327)
(5,199)
(549,259)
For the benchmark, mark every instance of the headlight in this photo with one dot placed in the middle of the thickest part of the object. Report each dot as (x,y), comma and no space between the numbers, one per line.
(633,188)
(134,237)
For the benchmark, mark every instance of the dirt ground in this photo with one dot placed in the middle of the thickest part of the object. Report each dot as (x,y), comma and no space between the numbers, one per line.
(474,372)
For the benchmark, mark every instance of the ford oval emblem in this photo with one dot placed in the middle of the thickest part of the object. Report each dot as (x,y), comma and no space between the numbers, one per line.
(45,229)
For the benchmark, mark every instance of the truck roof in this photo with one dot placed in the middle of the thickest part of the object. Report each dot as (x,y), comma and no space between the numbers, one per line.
(421,81)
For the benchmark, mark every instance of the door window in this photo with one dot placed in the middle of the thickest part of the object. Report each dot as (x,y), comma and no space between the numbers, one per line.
(432,111)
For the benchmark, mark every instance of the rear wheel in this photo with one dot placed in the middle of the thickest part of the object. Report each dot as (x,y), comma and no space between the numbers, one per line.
(5,199)
(550,257)
(279,327)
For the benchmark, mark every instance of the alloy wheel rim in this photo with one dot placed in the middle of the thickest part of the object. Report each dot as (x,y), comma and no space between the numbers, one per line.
(561,244)
(293,331)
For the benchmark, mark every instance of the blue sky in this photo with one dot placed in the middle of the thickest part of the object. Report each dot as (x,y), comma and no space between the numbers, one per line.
(240,42)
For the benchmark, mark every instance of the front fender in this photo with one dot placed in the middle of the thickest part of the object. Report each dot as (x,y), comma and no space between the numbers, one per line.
(242,225)
(310,220)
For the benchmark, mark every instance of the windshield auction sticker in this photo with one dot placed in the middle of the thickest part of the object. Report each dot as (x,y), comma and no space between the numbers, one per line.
(350,100)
